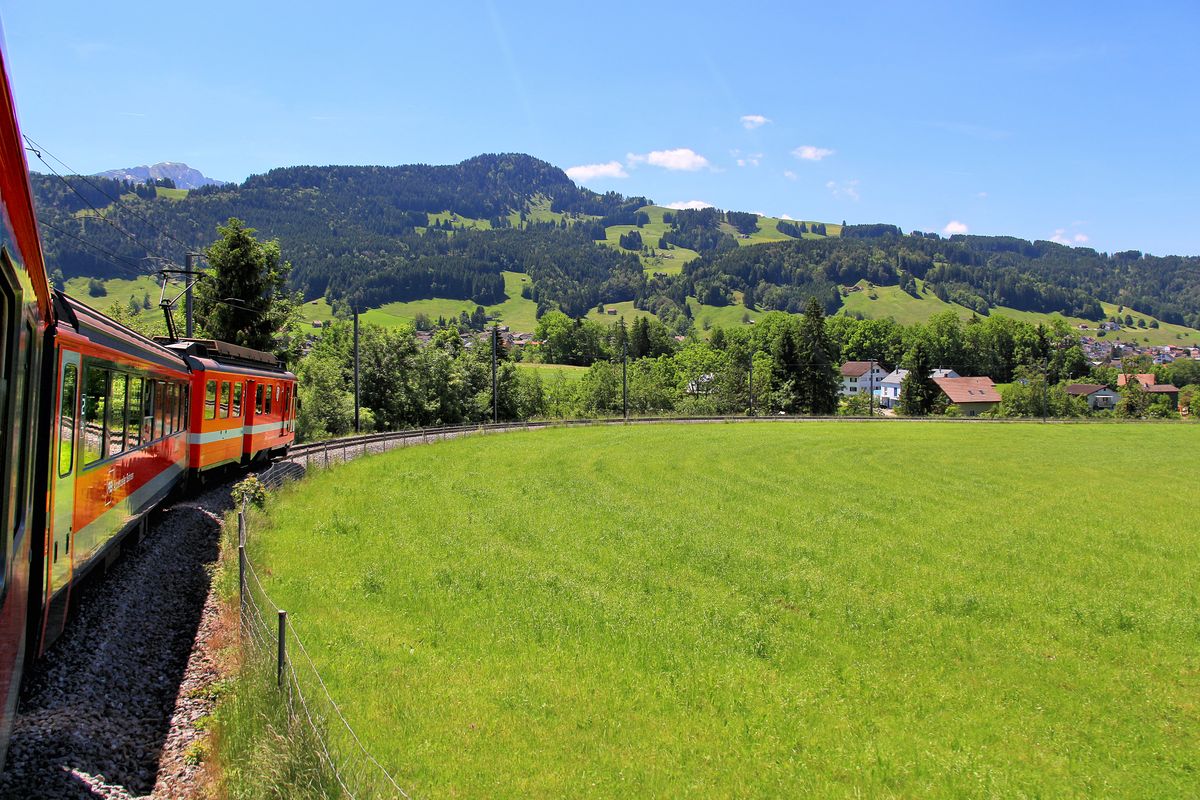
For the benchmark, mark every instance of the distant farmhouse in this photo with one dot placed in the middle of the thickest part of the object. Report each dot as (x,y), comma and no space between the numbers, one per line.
(973,396)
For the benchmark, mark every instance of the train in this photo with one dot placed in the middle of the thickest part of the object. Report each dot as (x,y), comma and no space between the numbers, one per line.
(98,425)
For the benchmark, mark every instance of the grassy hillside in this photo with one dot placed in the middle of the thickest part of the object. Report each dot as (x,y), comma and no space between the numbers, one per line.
(890,301)
(782,616)
(119,291)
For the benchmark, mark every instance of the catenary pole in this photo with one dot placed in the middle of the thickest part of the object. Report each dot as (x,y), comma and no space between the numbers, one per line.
(625,379)
(189,280)
(356,405)
(495,395)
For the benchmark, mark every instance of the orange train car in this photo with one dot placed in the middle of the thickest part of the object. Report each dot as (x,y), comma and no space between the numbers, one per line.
(243,405)
(118,445)
(26,315)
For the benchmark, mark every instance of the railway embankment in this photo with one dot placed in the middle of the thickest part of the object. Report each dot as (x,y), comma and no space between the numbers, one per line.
(119,706)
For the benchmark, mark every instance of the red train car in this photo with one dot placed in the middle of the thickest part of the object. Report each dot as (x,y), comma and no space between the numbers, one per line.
(118,446)
(243,404)
(26,313)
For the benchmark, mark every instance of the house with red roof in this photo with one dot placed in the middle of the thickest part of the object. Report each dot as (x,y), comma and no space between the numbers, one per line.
(973,396)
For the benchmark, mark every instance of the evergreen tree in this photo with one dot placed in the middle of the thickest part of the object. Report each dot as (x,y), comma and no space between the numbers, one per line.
(817,379)
(918,392)
(242,297)
(748,298)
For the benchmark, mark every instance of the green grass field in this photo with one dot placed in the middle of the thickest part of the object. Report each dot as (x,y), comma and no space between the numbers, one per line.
(551,372)
(767,610)
(890,301)
(120,291)
(517,312)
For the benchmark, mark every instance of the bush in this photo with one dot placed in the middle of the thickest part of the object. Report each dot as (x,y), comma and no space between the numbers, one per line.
(96,288)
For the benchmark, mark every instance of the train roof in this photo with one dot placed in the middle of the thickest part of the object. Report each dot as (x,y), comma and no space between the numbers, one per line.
(106,332)
(211,353)
(18,196)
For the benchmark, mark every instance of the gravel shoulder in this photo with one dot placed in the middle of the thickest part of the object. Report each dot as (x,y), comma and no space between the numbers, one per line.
(112,711)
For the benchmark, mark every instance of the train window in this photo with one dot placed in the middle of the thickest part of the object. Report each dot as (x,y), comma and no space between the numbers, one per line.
(95,401)
(210,400)
(172,407)
(116,412)
(160,409)
(184,397)
(270,392)
(258,399)
(224,399)
(148,405)
(26,427)
(237,400)
(133,431)
(66,420)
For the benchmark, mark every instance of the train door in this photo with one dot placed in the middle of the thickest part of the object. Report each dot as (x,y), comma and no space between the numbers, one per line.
(59,553)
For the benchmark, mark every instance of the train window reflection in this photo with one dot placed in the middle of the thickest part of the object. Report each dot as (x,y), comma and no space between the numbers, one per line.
(133,434)
(210,400)
(116,413)
(95,401)
(66,417)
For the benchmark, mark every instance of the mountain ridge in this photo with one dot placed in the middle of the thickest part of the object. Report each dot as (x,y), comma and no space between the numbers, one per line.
(183,176)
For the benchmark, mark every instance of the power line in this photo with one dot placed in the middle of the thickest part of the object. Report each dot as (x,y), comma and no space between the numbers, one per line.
(39,150)
(128,262)
(97,211)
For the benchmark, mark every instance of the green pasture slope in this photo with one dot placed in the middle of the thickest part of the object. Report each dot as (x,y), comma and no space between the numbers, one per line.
(758,610)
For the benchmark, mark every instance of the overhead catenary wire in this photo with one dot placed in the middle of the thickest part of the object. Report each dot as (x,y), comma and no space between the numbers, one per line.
(100,215)
(114,258)
(38,149)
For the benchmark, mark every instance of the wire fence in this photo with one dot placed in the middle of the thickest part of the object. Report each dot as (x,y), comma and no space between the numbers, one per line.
(267,633)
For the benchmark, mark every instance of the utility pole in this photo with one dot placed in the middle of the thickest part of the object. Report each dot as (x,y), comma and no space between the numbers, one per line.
(752,383)
(625,379)
(187,301)
(871,389)
(356,407)
(495,395)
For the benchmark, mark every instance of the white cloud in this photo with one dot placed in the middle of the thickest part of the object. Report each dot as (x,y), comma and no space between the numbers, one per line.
(791,176)
(746,159)
(692,204)
(1063,236)
(587,172)
(981,195)
(759,213)
(954,226)
(786,216)
(681,158)
(808,152)
(847,189)
(752,121)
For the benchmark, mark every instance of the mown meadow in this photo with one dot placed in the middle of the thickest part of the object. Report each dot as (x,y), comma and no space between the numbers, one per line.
(759,610)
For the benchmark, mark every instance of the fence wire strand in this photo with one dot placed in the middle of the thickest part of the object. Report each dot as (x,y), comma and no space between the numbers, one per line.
(258,634)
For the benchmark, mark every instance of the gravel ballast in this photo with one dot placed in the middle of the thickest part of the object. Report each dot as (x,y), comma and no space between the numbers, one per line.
(115,708)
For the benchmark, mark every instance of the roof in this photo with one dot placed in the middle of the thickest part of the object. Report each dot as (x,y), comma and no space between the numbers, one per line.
(856,369)
(105,332)
(895,376)
(968,390)
(1084,389)
(1162,388)
(1144,378)
(942,372)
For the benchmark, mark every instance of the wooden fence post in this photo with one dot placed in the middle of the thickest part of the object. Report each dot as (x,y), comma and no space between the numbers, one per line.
(282,655)
(242,591)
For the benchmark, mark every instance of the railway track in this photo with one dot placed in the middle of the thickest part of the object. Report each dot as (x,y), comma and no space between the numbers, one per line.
(347,447)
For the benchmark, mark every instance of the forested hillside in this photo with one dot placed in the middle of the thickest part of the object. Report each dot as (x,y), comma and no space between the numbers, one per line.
(373,235)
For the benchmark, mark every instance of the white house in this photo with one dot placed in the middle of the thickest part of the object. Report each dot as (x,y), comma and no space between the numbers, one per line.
(888,390)
(861,377)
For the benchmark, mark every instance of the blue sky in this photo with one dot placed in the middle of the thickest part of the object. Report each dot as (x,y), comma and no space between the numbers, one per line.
(1078,121)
